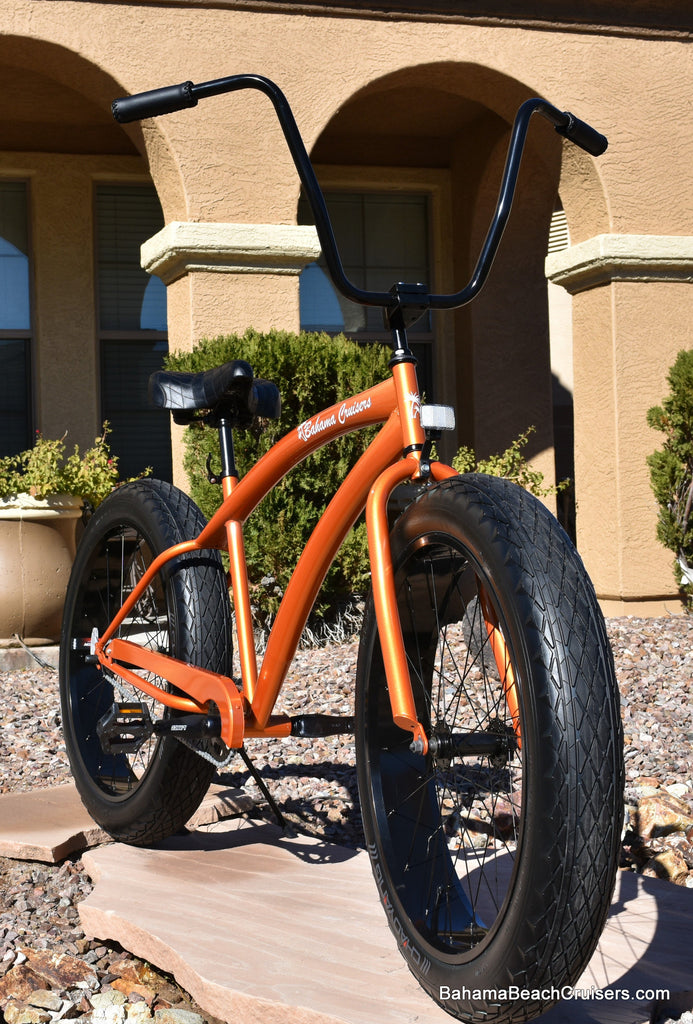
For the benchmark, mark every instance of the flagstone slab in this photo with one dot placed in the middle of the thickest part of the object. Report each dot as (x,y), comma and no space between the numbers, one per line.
(259,927)
(49,824)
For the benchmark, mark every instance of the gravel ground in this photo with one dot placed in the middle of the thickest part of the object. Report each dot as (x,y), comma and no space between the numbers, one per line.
(314,780)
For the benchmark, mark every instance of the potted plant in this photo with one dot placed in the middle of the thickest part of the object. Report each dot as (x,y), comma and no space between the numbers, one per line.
(44,496)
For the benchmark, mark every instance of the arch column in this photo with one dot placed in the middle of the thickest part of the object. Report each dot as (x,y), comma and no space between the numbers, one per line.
(223,278)
(631,316)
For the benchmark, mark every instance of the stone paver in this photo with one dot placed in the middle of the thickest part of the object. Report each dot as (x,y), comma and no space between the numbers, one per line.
(283,929)
(259,927)
(50,824)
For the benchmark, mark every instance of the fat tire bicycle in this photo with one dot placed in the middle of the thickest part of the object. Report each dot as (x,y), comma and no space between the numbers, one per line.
(487,728)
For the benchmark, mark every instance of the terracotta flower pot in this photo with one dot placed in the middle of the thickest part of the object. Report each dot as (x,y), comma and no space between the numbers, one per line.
(38,538)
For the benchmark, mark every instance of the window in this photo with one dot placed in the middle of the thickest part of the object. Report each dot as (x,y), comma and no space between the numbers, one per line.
(15,319)
(132,327)
(382,239)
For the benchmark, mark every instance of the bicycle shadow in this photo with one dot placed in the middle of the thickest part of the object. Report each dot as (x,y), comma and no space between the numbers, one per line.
(242,834)
(645,947)
(304,810)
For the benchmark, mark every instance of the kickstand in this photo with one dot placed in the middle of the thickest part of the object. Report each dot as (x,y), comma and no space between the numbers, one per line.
(262,785)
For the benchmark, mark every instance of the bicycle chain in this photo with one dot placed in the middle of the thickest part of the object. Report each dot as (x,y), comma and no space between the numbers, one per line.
(206,756)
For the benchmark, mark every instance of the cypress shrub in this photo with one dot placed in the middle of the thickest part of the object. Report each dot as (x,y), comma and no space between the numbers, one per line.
(312,372)
(671,470)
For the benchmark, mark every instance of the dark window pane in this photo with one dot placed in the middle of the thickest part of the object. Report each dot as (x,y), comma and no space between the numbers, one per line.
(131,301)
(382,239)
(129,298)
(15,312)
(140,433)
(15,428)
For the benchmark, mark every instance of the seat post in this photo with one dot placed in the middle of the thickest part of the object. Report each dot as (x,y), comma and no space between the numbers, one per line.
(238,570)
(228,459)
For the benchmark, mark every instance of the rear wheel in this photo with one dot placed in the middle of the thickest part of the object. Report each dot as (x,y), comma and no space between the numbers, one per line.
(495,854)
(146,794)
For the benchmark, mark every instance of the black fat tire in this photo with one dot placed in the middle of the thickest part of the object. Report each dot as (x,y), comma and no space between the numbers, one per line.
(537,831)
(144,797)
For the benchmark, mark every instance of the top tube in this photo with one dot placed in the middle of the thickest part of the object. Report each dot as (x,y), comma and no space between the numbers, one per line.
(404,302)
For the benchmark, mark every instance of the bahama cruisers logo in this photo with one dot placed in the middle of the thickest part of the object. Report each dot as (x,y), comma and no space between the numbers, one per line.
(313,427)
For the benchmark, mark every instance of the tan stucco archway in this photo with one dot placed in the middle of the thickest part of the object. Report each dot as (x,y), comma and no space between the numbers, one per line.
(225,163)
(60,138)
(444,128)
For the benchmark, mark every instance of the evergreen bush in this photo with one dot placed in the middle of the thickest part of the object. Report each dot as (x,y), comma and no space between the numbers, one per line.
(671,470)
(312,372)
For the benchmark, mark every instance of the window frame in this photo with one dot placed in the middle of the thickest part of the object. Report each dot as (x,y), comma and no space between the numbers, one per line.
(27,335)
(106,335)
(435,185)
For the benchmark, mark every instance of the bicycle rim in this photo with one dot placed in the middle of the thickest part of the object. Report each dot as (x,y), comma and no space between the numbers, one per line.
(118,561)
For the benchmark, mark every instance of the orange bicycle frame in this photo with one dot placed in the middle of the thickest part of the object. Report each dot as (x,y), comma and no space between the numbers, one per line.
(369,484)
(392,457)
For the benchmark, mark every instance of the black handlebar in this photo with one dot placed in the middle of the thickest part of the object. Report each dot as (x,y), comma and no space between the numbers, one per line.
(583,135)
(154,103)
(404,303)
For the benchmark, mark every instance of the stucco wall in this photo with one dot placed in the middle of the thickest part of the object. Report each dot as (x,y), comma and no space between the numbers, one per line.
(226,162)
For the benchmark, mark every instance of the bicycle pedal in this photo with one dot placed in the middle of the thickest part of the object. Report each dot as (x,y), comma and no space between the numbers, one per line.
(124,728)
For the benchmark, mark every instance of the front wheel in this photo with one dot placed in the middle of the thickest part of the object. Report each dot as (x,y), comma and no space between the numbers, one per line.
(143,794)
(495,854)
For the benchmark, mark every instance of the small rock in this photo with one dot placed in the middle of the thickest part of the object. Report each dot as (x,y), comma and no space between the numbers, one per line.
(111,997)
(677,789)
(138,1013)
(176,1016)
(670,865)
(19,1012)
(18,983)
(661,814)
(45,999)
(134,988)
(136,972)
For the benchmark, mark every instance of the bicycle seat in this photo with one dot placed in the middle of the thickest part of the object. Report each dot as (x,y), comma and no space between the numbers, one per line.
(232,385)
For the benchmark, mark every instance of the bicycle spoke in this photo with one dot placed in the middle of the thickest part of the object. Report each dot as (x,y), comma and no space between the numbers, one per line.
(454,815)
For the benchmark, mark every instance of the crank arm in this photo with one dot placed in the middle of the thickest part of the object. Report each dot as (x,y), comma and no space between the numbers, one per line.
(200,685)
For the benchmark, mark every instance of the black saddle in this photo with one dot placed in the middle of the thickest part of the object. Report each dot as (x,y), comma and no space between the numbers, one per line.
(230,390)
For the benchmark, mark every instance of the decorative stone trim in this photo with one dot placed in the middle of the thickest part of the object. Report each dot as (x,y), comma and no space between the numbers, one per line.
(607,258)
(183,247)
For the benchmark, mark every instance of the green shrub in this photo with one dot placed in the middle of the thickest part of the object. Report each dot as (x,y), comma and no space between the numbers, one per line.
(45,469)
(671,470)
(312,372)
(511,464)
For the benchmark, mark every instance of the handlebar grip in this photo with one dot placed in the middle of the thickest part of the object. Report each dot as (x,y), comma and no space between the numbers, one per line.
(583,135)
(154,102)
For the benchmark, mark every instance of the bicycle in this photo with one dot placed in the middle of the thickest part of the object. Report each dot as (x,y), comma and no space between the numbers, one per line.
(488,736)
